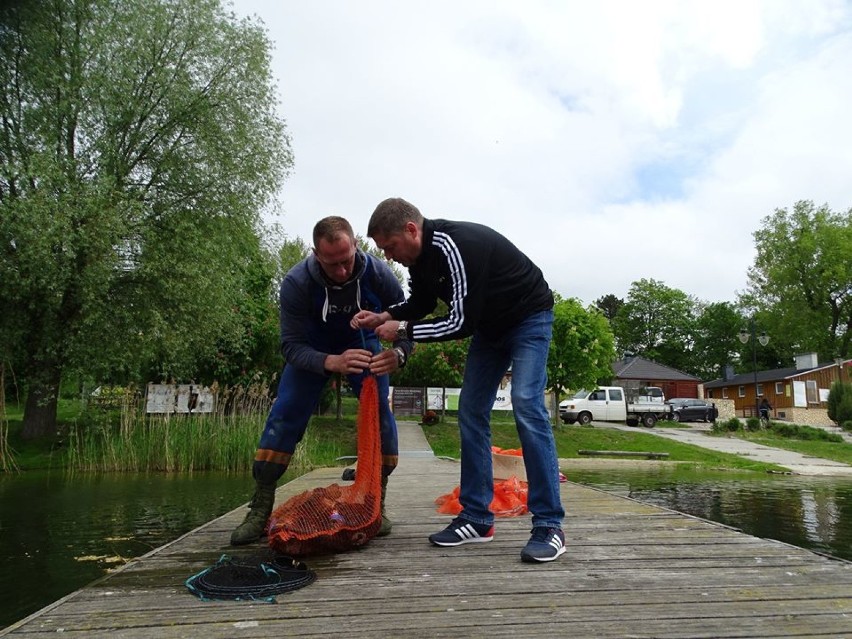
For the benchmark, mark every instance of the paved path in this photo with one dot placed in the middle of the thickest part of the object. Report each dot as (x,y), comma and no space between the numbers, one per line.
(699,435)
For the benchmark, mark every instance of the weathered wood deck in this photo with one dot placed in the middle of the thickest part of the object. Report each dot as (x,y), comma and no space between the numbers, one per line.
(631,570)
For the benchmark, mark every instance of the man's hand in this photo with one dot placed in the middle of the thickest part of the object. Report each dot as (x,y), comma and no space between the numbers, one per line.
(354,360)
(387,331)
(368,319)
(384,363)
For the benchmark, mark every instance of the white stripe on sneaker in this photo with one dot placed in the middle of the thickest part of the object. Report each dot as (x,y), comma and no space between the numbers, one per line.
(467,532)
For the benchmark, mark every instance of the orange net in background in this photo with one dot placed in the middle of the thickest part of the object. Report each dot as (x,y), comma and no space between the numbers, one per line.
(510,492)
(337,518)
(510,499)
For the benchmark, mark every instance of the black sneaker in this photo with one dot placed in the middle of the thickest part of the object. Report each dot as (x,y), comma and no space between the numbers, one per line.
(546,544)
(461,531)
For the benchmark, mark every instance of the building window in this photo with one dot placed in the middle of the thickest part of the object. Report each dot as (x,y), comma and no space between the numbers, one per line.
(710,394)
(760,390)
(779,388)
(811,391)
(725,393)
(741,391)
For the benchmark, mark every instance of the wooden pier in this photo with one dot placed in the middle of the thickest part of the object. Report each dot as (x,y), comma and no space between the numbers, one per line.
(631,570)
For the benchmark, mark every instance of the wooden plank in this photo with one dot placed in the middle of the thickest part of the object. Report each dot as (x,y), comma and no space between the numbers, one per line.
(631,569)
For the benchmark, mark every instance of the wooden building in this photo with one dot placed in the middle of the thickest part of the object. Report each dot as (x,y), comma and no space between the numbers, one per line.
(636,372)
(798,394)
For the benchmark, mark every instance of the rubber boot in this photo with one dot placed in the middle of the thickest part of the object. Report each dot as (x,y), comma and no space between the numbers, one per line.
(254,525)
(387,524)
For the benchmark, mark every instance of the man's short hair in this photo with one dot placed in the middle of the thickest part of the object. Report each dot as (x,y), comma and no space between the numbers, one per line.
(391,216)
(328,228)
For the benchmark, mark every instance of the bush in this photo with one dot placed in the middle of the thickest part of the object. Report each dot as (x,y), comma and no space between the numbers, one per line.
(730,426)
(753,424)
(807,433)
(847,425)
(840,402)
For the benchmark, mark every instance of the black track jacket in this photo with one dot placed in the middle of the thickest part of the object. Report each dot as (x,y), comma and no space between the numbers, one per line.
(488,284)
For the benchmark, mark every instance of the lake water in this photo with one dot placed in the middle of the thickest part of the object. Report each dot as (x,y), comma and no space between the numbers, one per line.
(58,534)
(809,512)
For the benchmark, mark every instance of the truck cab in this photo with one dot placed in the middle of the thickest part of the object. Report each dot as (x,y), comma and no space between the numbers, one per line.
(611,404)
(605,403)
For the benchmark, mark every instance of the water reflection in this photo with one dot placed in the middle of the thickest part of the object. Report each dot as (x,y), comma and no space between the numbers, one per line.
(809,512)
(58,534)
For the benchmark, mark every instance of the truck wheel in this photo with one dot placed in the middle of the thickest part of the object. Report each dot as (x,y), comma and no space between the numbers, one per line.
(649,420)
(675,417)
(584,418)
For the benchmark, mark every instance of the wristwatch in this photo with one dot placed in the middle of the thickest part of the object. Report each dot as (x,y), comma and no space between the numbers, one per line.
(400,356)
(402,330)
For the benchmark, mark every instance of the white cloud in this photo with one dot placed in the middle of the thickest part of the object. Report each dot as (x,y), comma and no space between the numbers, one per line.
(611,141)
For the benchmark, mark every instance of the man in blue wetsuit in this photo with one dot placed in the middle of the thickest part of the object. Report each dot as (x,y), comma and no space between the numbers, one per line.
(319,296)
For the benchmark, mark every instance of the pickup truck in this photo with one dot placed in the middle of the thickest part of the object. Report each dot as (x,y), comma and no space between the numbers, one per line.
(610,404)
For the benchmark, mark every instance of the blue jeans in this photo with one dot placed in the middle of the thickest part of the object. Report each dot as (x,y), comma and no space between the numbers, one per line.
(525,348)
(298,395)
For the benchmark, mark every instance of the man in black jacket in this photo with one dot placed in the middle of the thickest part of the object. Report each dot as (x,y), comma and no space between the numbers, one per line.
(495,293)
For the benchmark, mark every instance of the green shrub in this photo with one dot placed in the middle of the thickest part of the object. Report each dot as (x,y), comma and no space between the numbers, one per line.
(840,402)
(730,426)
(753,424)
(847,425)
(806,433)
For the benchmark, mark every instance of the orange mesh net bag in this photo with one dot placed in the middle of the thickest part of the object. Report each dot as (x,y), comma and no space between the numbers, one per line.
(510,492)
(336,518)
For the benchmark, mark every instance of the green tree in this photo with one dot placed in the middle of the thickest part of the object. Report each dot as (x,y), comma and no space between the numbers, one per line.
(802,280)
(434,364)
(840,402)
(250,351)
(657,322)
(291,252)
(582,349)
(139,142)
(609,305)
(716,342)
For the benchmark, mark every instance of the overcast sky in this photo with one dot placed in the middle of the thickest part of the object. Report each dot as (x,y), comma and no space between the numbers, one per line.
(610,140)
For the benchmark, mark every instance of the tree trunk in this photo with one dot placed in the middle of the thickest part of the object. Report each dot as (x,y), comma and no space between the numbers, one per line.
(40,409)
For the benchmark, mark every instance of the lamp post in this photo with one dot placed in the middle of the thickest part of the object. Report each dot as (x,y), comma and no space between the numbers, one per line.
(763,338)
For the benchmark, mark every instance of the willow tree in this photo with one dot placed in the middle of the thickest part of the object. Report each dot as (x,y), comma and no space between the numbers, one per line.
(139,142)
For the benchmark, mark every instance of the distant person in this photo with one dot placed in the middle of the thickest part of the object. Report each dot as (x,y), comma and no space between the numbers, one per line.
(765,408)
(495,293)
(319,296)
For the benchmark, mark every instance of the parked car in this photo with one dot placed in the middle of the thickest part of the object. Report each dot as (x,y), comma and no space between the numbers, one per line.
(685,409)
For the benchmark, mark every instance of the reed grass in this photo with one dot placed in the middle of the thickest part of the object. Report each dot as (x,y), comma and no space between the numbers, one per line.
(125,439)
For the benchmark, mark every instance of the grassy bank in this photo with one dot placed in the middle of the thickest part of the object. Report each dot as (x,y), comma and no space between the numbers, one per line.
(444,439)
(835,451)
(117,441)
